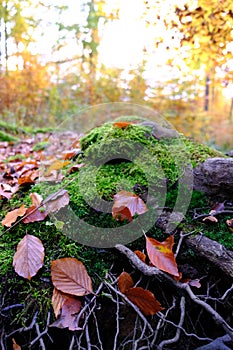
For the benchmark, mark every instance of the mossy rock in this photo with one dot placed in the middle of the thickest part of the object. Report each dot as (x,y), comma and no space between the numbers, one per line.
(116,158)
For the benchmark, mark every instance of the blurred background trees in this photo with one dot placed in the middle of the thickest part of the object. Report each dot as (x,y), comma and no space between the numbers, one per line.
(57,58)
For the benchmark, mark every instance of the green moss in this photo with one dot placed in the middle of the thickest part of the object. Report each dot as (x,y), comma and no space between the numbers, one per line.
(131,159)
(40,146)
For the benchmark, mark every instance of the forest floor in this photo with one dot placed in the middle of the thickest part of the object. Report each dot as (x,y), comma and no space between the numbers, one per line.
(60,293)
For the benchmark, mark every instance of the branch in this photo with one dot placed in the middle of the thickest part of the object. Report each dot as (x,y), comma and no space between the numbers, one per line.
(153,271)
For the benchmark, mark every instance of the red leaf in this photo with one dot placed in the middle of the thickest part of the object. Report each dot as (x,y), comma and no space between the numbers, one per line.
(125,282)
(161,254)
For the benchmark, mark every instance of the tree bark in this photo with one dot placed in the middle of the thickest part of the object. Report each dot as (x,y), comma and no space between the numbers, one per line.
(214,177)
(213,252)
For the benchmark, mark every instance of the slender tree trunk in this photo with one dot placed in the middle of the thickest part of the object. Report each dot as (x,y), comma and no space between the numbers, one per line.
(207,93)
(231,110)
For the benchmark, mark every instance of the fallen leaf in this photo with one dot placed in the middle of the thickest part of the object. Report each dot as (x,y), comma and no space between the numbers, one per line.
(76,168)
(145,300)
(140,255)
(122,125)
(11,216)
(56,201)
(122,213)
(15,345)
(69,275)
(28,178)
(67,319)
(36,215)
(161,254)
(125,282)
(29,256)
(58,300)
(229,223)
(36,199)
(57,165)
(126,205)
(5,191)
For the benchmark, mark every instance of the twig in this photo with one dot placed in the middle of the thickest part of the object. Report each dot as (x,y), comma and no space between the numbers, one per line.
(152,271)
(131,304)
(222,212)
(24,329)
(42,333)
(180,324)
(117,323)
(182,236)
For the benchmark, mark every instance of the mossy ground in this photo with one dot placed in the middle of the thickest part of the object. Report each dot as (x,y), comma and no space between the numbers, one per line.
(112,163)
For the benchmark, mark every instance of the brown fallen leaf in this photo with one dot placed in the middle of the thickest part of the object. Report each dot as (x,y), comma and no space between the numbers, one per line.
(29,256)
(126,205)
(125,282)
(36,215)
(69,275)
(145,300)
(12,216)
(67,319)
(140,255)
(36,199)
(15,345)
(56,201)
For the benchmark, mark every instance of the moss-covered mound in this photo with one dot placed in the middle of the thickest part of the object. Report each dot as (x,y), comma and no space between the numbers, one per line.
(130,157)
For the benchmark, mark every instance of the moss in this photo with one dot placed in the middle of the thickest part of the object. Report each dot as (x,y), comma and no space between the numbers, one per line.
(113,162)
(4,136)
(40,146)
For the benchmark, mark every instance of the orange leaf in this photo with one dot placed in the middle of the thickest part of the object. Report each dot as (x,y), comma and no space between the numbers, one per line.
(122,125)
(29,256)
(125,202)
(70,308)
(11,216)
(15,345)
(144,299)
(161,254)
(140,255)
(125,282)
(69,275)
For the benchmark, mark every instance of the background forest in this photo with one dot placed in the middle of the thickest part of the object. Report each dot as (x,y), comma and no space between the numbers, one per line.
(58,57)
